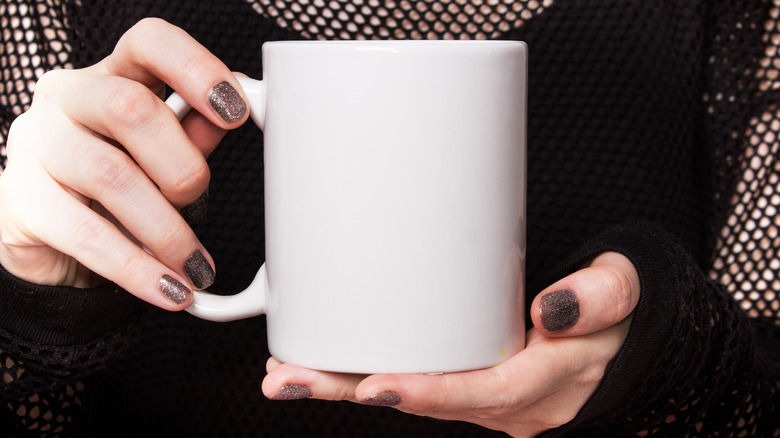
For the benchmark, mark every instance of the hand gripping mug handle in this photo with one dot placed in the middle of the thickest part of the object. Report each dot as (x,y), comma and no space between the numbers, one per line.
(251,301)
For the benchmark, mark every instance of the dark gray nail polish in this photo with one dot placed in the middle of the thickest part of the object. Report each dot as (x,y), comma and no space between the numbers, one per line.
(174,289)
(292,392)
(199,270)
(385,398)
(227,103)
(196,211)
(559,309)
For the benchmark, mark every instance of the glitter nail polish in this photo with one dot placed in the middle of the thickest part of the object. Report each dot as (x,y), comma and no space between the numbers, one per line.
(559,309)
(199,270)
(196,211)
(173,289)
(292,392)
(384,398)
(227,103)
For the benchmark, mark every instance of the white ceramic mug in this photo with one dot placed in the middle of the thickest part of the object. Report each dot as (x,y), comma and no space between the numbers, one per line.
(395,205)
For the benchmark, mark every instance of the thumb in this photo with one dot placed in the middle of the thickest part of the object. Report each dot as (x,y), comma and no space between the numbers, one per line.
(591,299)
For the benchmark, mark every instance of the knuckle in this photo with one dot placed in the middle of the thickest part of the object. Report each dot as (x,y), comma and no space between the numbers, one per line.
(168,240)
(111,172)
(344,392)
(21,128)
(145,27)
(593,373)
(21,123)
(192,67)
(90,232)
(131,106)
(620,287)
(192,179)
(133,266)
(49,82)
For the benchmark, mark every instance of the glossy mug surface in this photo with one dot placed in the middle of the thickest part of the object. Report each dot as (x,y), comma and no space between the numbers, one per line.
(395,205)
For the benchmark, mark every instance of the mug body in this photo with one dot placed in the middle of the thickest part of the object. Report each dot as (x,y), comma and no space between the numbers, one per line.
(395,204)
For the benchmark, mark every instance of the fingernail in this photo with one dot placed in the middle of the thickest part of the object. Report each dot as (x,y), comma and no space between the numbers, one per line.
(292,392)
(227,103)
(199,270)
(385,398)
(196,211)
(559,309)
(173,289)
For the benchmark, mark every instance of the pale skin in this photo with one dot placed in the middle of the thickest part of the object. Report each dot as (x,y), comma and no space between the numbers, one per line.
(112,169)
(74,163)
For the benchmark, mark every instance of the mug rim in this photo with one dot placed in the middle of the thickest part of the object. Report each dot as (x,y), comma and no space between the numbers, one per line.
(392,44)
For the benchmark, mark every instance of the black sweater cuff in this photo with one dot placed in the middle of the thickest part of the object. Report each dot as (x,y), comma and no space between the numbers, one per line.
(62,316)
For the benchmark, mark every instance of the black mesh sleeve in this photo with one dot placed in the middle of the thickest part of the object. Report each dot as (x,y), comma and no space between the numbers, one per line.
(51,338)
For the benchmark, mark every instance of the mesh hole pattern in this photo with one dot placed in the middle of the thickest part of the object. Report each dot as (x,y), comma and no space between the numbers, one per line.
(746,260)
(400,19)
(54,377)
(33,41)
(48,414)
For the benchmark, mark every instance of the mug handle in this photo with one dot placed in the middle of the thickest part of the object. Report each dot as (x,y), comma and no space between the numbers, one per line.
(251,301)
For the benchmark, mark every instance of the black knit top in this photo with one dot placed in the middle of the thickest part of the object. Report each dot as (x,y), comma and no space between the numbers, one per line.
(652,130)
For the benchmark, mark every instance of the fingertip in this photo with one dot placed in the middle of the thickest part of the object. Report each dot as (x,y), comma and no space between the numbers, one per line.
(384,398)
(227,102)
(374,384)
(291,391)
(558,310)
(286,382)
(196,211)
(174,290)
(410,391)
(177,295)
(273,381)
(589,300)
(200,269)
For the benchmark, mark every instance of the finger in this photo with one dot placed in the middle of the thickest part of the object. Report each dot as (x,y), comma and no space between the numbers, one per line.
(203,134)
(206,136)
(181,62)
(291,382)
(443,395)
(130,113)
(101,247)
(106,174)
(541,387)
(475,396)
(589,300)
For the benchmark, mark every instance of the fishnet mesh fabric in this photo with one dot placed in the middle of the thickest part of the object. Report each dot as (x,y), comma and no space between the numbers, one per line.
(34,40)
(402,19)
(746,259)
(52,407)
